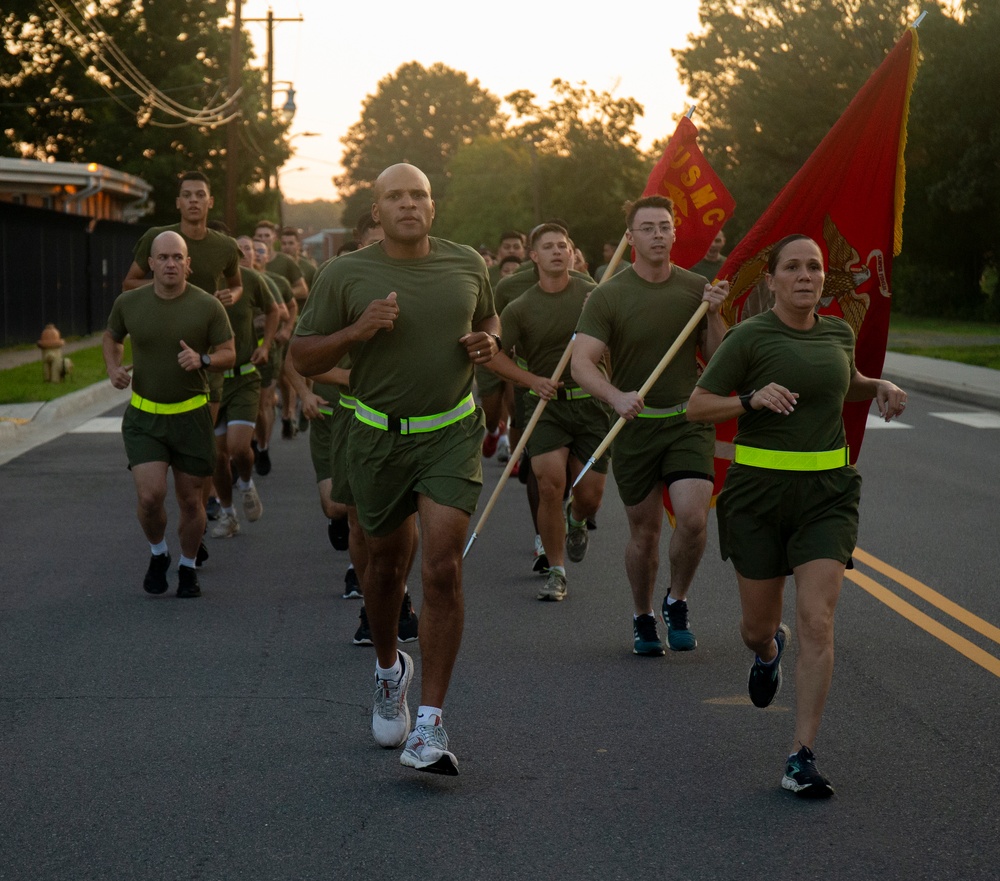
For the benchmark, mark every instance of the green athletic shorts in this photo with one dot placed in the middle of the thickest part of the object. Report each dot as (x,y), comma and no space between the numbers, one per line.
(772,521)
(579,425)
(523,407)
(185,441)
(240,400)
(647,451)
(388,470)
(319,445)
(340,426)
(487,382)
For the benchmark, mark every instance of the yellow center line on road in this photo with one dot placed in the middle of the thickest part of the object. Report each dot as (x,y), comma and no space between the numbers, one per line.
(973,622)
(973,652)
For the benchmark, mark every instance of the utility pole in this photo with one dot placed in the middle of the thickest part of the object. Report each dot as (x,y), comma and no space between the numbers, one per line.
(232,127)
(270,20)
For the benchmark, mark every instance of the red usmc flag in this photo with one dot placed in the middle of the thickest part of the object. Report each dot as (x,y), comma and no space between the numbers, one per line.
(849,198)
(702,204)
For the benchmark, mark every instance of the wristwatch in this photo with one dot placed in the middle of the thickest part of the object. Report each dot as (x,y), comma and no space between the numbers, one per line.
(206,360)
(496,336)
(745,400)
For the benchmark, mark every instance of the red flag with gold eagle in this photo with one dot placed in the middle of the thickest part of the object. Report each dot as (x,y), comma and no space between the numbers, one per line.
(702,204)
(849,198)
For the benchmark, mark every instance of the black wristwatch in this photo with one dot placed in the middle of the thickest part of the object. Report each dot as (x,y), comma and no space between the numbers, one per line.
(206,360)
(745,400)
(496,336)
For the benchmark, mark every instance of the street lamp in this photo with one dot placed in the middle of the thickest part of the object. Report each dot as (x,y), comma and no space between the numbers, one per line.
(287,110)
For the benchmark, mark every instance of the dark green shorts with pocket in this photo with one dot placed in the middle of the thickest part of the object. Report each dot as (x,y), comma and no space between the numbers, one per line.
(579,425)
(772,521)
(185,441)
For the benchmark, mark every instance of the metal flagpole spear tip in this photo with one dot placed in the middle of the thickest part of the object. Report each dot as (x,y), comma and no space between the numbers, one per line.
(468,547)
(584,470)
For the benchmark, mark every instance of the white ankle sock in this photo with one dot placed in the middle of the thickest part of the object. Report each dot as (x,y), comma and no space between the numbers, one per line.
(187,561)
(428,715)
(160,548)
(392,673)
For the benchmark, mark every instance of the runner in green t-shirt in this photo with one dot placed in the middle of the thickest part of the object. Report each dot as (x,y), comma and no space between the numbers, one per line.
(412,446)
(538,326)
(637,315)
(214,256)
(237,417)
(790,502)
(291,244)
(173,326)
(712,262)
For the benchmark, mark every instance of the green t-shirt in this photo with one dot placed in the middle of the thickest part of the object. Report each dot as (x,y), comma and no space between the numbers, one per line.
(157,326)
(281,287)
(539,326)
(418,368)
(213,258)
(817,363)
(308,270)
(285,266)
(708,268)
(638,321)
(512,286)
(256,298)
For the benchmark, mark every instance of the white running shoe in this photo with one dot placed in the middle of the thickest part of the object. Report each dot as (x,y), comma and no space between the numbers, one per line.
(227,526)
(391,715)
(251,504)
(503,449)
(427,750)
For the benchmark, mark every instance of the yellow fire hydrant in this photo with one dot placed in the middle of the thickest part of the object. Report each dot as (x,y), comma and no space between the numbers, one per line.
(55,368)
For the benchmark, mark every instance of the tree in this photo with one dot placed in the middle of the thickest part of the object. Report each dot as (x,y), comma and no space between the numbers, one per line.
(577,159)
(770,79)
(418,114)
(952,219)
(63,101)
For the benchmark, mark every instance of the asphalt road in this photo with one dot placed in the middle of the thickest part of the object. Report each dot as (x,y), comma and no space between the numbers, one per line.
(228,737)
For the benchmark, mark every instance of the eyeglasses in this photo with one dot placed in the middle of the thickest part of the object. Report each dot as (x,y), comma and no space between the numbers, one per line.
(647,229)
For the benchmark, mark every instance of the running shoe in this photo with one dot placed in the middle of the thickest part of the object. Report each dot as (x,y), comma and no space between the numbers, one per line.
(540,562)
(352,587)
(390,714)
(554,588)
(408,621)
(679,635)
(213,508)
(576,541)
(201,556)
(251,504)
(262,462)
(427,750)
(227,527)
(803,778)
(645,639)
(503,449)
(363,635)
(155,581)
(490,444)
(187,583)
(765,679)
(339,533)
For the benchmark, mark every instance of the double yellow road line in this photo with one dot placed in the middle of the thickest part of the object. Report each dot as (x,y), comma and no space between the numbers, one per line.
(973,652)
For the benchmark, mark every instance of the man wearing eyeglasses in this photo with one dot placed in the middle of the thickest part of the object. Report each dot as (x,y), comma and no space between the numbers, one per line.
(636,316)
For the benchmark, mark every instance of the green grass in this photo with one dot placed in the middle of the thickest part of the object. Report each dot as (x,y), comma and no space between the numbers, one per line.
(907,324)
(23,384)
(980,356)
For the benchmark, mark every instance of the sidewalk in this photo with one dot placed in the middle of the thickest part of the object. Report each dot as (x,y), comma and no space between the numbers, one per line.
(966,383)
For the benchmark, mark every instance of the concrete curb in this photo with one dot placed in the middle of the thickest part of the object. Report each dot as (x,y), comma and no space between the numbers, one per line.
(965,383)
(101,394)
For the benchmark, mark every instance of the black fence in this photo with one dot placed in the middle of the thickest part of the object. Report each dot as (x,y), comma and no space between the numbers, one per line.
(59,269)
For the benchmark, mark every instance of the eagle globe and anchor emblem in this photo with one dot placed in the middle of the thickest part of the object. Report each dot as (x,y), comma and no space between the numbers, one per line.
(749,295)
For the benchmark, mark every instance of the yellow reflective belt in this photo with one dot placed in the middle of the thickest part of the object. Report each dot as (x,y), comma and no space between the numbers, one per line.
(148,406)
(326,411)
(663,412)
(242,370)
(413,424)
(347,402)
(566,394)
(782,460)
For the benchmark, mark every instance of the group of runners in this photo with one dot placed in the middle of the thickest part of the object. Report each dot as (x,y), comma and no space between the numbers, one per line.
(388,342)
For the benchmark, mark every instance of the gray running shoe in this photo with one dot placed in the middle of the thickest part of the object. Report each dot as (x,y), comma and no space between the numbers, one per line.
(577,539)
(427,750)
(251,504)
(227,527)
(554,588)
(390,714)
